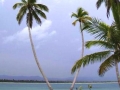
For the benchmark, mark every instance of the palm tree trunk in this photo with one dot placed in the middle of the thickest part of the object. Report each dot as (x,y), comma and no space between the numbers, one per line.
(82,53)
(117,72)
(37,62)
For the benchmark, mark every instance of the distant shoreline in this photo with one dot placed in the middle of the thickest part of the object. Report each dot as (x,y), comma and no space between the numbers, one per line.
(38,81)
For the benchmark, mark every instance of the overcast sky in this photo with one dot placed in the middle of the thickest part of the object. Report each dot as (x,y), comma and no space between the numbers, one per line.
(57,41)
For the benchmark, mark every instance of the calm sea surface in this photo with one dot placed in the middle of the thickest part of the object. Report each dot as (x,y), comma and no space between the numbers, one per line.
(62,86)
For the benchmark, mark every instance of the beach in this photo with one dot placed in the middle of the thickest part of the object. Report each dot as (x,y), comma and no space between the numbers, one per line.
(57,86)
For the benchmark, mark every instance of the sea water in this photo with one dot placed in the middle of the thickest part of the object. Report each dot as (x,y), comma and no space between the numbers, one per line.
(57,86)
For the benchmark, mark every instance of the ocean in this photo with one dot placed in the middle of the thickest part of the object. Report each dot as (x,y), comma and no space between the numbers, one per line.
(57,86)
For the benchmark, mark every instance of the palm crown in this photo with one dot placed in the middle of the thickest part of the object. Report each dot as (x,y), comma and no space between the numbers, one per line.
(31,10)
(108,4)
(81,16)
(107,38)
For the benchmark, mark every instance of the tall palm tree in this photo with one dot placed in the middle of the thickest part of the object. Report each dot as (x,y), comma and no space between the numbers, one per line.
(32,10)
(108,38)
(108,4)
(81,17)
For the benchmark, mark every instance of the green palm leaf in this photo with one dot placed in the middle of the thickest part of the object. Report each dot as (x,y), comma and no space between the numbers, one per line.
(92,58)
(98,28)
(116,16)
(17,5)
(106,65)
(84,13)
(81,12)
(41,7)
(76,65)
(23,1)
(74,15)
(38,20)
(105,44)
(98,3)
(74,23)
(31,1)
(39,12)
(108,4)
(21,14)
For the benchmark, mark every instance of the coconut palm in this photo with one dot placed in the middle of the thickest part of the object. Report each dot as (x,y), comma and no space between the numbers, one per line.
(114,5)
(108,4)
(32,10)
(81,17)
(108,38)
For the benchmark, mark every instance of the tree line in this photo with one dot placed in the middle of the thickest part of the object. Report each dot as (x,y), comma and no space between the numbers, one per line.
(51,81)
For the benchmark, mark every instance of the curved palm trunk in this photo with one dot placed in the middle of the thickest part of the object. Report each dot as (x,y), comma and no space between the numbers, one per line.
(117,72)
(35,56)
(82,53)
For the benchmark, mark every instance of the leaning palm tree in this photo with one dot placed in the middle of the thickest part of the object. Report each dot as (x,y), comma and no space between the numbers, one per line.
(108,38)
(81,17)
(32,10)
(108,4)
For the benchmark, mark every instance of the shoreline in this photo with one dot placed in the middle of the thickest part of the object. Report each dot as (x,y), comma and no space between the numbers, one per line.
(60,82)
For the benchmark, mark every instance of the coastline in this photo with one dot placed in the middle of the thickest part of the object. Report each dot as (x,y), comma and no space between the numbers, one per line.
(58,82)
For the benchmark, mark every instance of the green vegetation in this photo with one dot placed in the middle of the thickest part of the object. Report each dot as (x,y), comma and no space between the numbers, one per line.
(107,37)
(32,10)
(81,17)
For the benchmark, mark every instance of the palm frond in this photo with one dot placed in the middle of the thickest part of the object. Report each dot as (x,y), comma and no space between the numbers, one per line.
(31,1)
(84,13)
(116,9)
(86,25)
(39,12)
(75,67)
(41,7)
(87,18)
(24,1)
(21,14)
(95,57)
(98,3)
(106,65)
(74,23)
(74,15)
(108,6)
(37,19)
(98,29)
(104,44)
(81,12)
(92,58)
(17,5)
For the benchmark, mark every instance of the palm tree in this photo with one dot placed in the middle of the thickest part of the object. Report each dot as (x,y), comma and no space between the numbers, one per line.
(81,17)
(32,11)
(108,38)
(108,4)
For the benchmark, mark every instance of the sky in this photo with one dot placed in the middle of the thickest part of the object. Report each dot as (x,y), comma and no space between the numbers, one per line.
(57,41)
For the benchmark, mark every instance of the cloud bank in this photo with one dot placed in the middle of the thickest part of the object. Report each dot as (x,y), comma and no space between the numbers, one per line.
(38,33)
